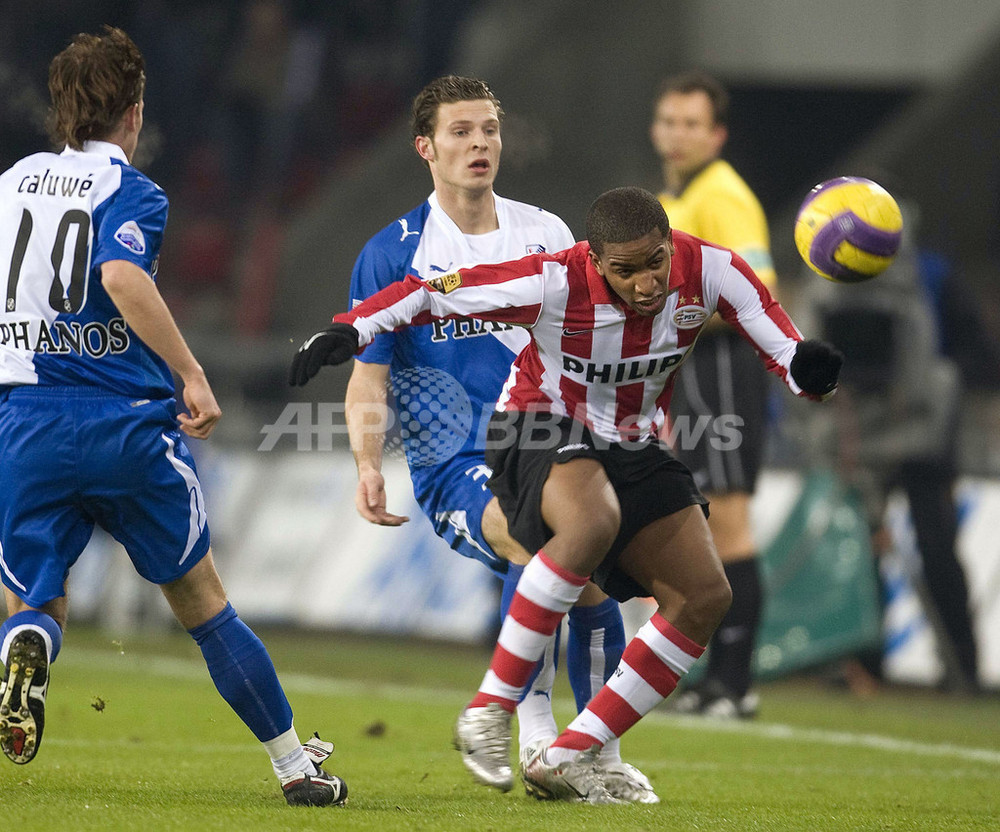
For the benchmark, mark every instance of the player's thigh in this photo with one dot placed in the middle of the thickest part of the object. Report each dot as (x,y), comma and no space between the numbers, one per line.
(497,535)
(580,506)
(675,559)
(140,482)
(198,595)
(43,529)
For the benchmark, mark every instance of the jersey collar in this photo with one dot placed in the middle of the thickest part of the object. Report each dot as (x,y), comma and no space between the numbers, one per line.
(101,149)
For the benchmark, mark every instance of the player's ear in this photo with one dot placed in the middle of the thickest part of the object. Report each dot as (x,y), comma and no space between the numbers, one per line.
(596,260)
(132,116)
(425,148)
(721,134)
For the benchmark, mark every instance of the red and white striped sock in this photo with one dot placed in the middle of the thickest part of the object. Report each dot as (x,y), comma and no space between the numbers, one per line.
(544,595)
(651,666)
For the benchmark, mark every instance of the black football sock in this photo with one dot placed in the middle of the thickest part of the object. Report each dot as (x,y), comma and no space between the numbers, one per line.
(731,649)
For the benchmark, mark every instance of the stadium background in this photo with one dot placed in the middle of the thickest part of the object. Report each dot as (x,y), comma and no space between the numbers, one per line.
(278,130)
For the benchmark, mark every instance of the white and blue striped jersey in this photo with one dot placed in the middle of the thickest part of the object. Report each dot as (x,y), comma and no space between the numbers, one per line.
(62,216)
(427,243)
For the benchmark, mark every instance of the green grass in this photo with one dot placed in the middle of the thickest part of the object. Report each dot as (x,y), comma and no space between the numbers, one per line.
(166,753)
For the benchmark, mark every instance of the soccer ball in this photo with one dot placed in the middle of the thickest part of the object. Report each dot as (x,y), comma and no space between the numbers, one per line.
(848,229)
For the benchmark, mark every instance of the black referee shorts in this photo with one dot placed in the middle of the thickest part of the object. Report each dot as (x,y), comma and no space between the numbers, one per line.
(718,413)
(649,481)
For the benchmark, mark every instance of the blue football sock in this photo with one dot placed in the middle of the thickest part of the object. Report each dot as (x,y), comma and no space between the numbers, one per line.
(36,620)
(594,649)
(243,673)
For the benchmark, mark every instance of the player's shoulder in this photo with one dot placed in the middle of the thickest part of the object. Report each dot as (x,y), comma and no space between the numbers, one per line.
(524,213)
(29,163)
(683,241)
(400,238)
(388,254)
(552,233)
(696,254)
(137,186)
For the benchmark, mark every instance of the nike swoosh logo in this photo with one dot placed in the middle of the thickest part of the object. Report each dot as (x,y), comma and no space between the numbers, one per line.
(569,333)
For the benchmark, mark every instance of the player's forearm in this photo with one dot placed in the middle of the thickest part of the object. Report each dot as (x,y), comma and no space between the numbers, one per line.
(135,295)
(485,292)
(367,414)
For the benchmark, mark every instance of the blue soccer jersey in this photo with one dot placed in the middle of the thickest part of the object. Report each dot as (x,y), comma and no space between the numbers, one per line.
(62,216)
(88,433)
(447,376)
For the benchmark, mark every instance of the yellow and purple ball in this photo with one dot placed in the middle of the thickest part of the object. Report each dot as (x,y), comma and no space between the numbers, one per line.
(848,229)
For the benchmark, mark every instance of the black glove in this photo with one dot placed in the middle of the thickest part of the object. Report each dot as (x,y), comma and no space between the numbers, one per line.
(815,367)
(334,345)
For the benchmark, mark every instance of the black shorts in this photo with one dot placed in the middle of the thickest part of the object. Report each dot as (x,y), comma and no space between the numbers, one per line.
(649,481)
(718,413)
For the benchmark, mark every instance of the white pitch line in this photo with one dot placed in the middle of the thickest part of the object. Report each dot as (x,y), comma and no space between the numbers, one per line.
(778,731)
(319,685)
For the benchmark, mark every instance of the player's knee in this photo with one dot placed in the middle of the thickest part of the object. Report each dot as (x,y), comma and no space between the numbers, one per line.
(595,532)
(709,604)
(603,526)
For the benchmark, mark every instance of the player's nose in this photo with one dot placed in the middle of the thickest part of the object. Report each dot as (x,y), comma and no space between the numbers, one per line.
(646,285)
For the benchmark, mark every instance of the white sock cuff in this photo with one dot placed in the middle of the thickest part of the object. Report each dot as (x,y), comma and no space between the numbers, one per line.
(672,655)
(283,744)
(542,585)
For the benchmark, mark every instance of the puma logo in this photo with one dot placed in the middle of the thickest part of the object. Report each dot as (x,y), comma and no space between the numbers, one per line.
(406,230)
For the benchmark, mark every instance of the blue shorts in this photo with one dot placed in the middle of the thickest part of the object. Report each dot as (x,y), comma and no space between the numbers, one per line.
(456,512)
(73,457)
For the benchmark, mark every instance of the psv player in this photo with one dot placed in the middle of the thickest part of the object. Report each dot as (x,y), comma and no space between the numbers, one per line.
(577,467)
(456,131)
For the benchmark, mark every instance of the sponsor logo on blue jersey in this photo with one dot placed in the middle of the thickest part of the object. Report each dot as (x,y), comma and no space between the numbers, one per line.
(130,235)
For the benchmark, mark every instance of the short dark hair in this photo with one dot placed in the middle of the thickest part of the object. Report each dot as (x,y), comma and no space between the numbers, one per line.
(447,90)
(622,215)
(698,81)
(92,83)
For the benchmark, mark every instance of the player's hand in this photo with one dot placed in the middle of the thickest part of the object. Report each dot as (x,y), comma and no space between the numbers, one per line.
(204,409)
(370,500)
(334,345)
(816,367)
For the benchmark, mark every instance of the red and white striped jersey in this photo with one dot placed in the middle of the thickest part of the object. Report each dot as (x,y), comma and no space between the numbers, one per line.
(591,357)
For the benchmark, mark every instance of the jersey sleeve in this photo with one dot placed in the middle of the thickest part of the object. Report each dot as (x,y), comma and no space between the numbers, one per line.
(506,292)
(746,304)
(564,238)
(373,271)
(131,223)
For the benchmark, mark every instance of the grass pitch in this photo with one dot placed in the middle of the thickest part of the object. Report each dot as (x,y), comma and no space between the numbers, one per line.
(136,737)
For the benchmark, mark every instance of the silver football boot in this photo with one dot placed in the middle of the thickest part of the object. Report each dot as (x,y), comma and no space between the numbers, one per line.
(483,737)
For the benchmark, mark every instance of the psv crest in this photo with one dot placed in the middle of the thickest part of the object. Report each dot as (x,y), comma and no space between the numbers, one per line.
(689,316)
(446,283)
